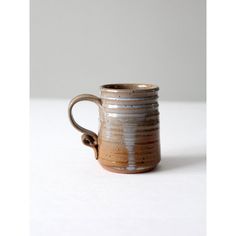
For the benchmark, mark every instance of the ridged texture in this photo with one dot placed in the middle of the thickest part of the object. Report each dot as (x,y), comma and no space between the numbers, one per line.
(128,138)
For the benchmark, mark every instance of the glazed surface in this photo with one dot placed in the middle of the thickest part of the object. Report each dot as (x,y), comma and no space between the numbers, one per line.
(128,138)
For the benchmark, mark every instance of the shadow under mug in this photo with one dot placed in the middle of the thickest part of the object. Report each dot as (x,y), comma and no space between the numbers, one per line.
(128,140)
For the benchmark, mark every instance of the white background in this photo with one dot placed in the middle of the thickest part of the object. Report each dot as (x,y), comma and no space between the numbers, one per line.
(78,45)
(75,47)
(14,181)
(71,192)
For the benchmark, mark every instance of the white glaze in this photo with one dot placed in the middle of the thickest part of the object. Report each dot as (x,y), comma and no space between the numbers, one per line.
(129,98)
(129,141)
(149,105)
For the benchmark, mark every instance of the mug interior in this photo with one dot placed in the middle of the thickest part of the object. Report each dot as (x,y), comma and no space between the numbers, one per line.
(129,87)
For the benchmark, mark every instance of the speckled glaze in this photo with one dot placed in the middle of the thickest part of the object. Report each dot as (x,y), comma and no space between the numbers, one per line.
(128,140)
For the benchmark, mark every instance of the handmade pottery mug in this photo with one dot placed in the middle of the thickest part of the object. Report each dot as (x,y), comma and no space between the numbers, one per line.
(128,140)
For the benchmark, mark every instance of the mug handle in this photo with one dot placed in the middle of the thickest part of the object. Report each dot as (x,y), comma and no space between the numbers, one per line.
(89,138)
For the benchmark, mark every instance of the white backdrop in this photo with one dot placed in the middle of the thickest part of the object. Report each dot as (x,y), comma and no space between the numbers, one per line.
(77,45)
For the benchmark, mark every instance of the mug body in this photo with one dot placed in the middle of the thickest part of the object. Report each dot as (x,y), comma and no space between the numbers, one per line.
(128,138)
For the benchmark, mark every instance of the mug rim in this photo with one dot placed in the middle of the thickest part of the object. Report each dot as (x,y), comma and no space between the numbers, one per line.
(124,87)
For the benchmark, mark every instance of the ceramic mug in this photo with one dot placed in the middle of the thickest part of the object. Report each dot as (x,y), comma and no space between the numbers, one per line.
(128,140)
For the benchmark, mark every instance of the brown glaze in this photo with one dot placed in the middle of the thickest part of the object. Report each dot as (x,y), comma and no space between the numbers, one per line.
(128,140)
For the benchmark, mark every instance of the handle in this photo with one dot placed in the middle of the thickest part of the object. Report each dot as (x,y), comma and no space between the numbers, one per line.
(88,138)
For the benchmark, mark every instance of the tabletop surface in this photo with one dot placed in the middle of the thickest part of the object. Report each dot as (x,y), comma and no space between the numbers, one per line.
(71,194)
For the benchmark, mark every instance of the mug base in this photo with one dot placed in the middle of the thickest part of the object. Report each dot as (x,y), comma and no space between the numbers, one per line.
(126,171)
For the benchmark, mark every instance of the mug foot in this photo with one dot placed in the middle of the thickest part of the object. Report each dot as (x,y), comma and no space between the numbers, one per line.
(123,170)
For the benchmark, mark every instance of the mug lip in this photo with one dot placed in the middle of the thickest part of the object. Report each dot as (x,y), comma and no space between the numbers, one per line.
(124,87)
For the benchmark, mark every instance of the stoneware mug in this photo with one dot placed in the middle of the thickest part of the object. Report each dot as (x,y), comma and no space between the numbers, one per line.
(128,140)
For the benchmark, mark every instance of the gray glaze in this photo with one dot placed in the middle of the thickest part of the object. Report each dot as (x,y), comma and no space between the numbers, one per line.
(128,140)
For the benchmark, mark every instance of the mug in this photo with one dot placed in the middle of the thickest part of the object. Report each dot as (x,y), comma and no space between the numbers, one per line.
(128,140)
